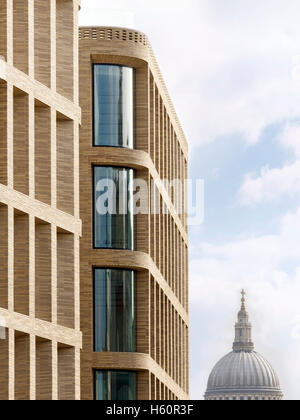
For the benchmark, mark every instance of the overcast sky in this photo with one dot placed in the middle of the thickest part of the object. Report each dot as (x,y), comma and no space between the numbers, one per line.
(233,71)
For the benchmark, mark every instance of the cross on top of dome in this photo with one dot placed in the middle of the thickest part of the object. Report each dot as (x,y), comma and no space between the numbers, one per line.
(243,293)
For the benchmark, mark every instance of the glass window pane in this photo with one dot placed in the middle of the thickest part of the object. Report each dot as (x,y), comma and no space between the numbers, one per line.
(115,385)
(113,208)
(113,105)
(102,386)
(114,310)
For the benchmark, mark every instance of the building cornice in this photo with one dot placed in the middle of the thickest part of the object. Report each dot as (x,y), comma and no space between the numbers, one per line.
(139,40)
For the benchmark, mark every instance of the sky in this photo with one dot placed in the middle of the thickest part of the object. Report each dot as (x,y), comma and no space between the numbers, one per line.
(232,69)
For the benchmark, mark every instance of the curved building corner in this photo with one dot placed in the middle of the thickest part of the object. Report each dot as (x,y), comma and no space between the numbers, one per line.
(134,267)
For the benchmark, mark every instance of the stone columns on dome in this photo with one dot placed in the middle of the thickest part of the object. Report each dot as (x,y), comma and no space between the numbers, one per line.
(243,341)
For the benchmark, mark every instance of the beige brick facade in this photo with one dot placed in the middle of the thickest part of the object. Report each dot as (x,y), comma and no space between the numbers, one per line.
(160,258)
(39,200)
(42,203)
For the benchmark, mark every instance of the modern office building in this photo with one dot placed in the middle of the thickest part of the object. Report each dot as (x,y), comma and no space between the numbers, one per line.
(39,200)
(243,374)
(134,265)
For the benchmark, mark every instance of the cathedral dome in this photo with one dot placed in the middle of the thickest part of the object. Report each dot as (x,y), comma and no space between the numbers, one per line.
(243,373)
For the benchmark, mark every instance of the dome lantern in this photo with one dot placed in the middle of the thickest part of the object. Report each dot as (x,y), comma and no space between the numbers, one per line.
(243,341)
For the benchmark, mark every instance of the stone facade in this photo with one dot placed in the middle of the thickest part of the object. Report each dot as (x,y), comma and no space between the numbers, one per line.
(39,200)
(40,210)
(160,258)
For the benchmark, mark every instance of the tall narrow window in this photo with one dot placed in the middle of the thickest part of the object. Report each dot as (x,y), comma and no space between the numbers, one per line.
(113,105)
(113,208)
(115,385)
(114,310)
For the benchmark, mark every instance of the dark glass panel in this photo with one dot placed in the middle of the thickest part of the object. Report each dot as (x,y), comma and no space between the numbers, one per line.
(113,211)
(115,385)
(113,105)
(114,310)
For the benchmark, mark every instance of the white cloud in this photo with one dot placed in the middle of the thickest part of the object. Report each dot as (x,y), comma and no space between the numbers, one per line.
(257,264)
(240,70)
(228,65)
(97,16)
(270,184)
(273,183)
(290,138)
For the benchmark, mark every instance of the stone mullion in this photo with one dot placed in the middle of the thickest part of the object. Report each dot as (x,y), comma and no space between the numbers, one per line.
(31,157)
(77,313)
(31,151)
(183,352)
(187,361)
(10,258)
(32,367)
(149,109)
(11,364)
(75,54)
(157,228)
(53,158)
(77,282)
(77,373)
(54,272)
(10,36)
(159,342)
(54,371)
(171,339)
(167,334)
(76,169)
(178,264)
(31,38)
(162,144)
(31,266)
(155,318)
(181,270)
(10,136)
(53,43)
(152,120)
(178,350)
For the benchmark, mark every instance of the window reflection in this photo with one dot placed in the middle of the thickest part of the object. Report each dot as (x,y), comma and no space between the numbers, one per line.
(113,208)
(114,310)
(115,385)
(113,105)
